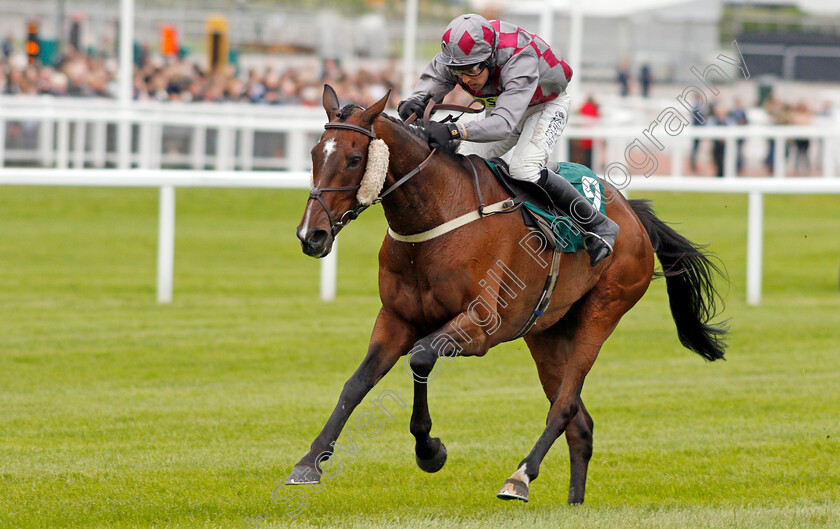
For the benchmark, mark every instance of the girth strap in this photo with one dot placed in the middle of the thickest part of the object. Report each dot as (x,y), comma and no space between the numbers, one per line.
(545,297)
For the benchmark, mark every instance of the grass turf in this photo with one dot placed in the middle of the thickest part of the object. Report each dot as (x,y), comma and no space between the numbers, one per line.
(117,412)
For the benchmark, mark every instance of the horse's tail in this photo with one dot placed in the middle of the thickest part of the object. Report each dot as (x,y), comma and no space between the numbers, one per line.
(688,277)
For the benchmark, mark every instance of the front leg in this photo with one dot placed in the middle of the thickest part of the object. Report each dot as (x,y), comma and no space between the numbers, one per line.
(391,339)
(429,452)
(457,338)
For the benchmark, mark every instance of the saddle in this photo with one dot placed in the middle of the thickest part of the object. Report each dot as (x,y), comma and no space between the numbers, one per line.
(523,191)
(519,188)
(541,213)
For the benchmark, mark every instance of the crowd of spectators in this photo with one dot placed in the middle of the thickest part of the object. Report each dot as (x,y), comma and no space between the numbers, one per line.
(782,113)
(159,78)
(176,80)
(173,79)
(75,75)
(624,79)
(775,112)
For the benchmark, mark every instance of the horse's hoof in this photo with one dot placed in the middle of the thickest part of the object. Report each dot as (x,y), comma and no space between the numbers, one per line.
(434,463)
(575,496)
(302,475)
(513,489)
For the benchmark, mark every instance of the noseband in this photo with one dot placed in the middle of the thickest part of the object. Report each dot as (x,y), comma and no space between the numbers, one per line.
(355,211)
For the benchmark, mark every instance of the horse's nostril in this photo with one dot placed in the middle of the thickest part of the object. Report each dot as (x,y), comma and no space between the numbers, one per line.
(316,236)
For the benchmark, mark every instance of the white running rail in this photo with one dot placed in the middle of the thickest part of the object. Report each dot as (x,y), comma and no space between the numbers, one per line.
(168,180)
(84,160)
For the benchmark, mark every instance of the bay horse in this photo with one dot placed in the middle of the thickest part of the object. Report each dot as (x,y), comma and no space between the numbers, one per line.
(446,296)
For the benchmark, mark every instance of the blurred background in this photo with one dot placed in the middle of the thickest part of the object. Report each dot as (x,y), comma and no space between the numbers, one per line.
(270,59)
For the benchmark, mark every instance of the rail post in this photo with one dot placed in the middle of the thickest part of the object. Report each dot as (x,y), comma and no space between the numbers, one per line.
(755,230)
(166,244)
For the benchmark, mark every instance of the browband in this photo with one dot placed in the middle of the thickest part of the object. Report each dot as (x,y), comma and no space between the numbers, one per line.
(348,126)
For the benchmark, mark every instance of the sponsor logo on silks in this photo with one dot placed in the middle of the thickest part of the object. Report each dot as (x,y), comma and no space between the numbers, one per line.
(555,127)
(489,101)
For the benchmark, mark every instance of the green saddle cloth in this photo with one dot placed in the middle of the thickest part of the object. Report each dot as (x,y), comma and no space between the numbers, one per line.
(568,237)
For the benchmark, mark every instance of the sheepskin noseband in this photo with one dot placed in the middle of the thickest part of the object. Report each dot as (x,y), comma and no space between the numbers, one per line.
(374,178)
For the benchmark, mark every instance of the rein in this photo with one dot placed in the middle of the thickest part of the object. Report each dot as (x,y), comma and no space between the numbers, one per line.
(445,106)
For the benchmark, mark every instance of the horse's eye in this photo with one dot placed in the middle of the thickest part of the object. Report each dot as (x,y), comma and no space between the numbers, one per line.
(354,161)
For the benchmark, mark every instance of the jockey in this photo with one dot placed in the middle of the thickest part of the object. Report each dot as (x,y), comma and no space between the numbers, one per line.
(523,85)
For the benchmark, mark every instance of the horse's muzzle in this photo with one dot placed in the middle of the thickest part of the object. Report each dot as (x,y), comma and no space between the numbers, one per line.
(315,242)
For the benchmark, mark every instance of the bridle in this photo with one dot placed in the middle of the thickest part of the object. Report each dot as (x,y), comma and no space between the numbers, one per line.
(354,212)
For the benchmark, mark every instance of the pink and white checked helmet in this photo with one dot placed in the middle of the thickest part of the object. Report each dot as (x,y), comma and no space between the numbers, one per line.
(469,39)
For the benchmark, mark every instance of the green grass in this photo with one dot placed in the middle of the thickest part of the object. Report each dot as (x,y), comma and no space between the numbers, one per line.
(117,412)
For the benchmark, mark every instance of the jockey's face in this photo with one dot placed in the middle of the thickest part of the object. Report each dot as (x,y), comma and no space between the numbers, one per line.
(476,81)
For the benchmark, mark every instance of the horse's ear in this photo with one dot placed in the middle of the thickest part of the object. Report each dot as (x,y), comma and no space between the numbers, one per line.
(375,109)
(330,102)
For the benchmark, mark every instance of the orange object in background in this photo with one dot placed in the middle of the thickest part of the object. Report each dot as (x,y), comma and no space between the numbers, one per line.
(33,47)
(168,40)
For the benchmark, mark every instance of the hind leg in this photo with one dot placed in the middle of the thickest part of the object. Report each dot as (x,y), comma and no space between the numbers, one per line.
(563,366)
(550,352)
(579,438)
(578,435)
(564,354)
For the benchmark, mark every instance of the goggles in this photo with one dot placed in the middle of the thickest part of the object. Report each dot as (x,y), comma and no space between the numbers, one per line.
(471,70)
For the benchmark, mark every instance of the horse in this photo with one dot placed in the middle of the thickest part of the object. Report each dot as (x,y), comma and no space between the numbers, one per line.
(473,287)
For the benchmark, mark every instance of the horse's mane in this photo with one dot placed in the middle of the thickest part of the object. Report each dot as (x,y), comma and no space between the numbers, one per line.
(417,130)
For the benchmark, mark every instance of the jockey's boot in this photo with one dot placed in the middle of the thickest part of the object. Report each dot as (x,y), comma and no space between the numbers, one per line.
(599,231)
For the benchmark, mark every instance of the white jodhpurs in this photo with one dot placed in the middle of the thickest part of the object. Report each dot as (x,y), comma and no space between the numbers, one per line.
(531,142)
